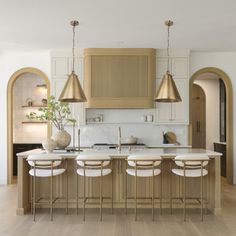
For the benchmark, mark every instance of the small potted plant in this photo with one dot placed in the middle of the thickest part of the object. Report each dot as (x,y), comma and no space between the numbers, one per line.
(58,114)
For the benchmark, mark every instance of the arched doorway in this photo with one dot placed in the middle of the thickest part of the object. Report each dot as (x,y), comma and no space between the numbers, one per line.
(198,113)
(229,117)
(10,86)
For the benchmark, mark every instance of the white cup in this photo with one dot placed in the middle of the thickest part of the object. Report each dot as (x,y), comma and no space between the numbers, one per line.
(149,118)
(143,118)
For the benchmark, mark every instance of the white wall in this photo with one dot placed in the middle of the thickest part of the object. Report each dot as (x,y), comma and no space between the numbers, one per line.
(9,63)
(225,61)
(211,89)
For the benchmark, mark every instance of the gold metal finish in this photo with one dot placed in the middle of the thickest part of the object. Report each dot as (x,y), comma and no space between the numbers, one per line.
(168,92)
(151,167)
(89,166)
(72,91)
(169,23)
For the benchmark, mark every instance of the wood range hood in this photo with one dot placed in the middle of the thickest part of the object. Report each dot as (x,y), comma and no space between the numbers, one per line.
(119,77)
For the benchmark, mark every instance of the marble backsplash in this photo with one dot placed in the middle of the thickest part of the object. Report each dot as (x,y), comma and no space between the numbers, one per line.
(149,134)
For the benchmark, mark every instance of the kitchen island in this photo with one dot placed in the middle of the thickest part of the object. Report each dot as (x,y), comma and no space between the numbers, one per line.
(119,173)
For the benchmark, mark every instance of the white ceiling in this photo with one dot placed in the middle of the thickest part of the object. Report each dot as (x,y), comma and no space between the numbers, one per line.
(44,24)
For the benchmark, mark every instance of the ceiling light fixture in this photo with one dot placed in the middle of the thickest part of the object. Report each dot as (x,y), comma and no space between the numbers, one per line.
(72,91)
(167,92)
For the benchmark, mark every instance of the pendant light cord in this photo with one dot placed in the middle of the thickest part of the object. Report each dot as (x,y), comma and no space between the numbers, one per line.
(73,49)
(168,47)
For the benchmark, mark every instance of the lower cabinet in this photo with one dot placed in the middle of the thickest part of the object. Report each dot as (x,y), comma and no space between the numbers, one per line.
(22,147)
(221,147)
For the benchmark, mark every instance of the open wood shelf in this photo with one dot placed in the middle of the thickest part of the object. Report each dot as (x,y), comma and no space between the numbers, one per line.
(34,122)
(33,106)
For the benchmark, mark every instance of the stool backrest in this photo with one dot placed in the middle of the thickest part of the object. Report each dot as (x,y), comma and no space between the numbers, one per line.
(144,160)
(44,160)
(93,161)
(192,161)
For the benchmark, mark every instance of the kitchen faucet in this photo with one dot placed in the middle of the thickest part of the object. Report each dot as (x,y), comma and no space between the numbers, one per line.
(119,139)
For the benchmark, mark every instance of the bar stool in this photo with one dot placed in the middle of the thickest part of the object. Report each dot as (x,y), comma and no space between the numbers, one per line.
(190,166)
(93,166)
(45,166)
(144,166)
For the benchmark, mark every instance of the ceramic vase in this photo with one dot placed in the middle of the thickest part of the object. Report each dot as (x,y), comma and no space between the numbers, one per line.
(62,139)
(49,145)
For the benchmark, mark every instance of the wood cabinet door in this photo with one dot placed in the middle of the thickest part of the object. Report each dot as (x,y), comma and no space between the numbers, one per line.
(198,114)
(119,78)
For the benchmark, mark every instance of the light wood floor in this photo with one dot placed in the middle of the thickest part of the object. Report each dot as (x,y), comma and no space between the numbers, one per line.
(118,224)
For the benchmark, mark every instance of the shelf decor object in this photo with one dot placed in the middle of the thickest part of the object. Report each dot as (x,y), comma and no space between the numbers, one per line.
(168,92)
(72,91)
(59,114)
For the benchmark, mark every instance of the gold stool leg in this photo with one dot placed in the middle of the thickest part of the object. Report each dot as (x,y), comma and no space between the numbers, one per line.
(201,193)
(31,193)
(136,191)
(101,189)
(66,187)
(51,193)
(77,193)
(171,179)
(34,192)
(161,191)
(184,189)
(153,190)
(84,196)
(111,187)
(125,188)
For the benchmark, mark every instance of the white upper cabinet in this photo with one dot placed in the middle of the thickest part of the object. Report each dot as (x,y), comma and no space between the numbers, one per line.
(179,67)
(61,68)
(174,113)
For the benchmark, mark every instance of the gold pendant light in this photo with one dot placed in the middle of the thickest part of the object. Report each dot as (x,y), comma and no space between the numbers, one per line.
(72,91)
(167,91)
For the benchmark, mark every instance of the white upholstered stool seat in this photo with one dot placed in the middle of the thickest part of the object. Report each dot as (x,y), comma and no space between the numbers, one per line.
(95,166)
(45,166)
(93,172)
(46,173)
(143,173)
(190,173)
(144,165)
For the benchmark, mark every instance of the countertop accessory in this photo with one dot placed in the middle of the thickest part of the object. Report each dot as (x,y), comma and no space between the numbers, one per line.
(49,145)
(167,91)
(44,101)
(131,140)
(144,118)
(29,102)
(72,91)
(149,118)
(171,138)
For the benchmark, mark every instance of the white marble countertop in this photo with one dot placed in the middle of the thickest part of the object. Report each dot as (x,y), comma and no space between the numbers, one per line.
(168,152)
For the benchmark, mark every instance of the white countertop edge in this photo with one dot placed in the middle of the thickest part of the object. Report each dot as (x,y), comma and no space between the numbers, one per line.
(124,153)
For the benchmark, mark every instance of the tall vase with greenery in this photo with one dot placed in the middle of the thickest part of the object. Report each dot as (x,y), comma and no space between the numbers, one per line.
(58,114)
